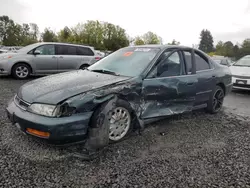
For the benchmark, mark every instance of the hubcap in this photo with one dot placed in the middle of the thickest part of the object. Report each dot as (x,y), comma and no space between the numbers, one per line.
(119,123)
(218,100)
(22,71)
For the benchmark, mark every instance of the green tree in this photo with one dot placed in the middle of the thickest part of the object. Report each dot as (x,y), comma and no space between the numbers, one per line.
(245,48)
(65,35)
(219,48)
(49,36)
(236,52)
(174,42)
(7,30)
(151,38)
(138,41)
(206,41)
(13,34)
(34,31)
(114,37)
(93,34)
(228,49)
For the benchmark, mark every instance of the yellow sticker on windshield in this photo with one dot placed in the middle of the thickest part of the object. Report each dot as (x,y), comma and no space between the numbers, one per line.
(128,54)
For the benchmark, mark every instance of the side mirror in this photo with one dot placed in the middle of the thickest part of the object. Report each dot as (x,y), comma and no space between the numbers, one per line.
(37,52)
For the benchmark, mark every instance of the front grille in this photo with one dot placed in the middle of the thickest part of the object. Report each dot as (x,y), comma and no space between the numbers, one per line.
(21,103)
(242,77)
(242,85)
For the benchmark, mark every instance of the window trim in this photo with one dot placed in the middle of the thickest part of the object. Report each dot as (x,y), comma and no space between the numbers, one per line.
(31,52)
(172,51)
(193,61)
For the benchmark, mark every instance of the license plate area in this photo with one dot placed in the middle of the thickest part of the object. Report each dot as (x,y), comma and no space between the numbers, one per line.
(241,82)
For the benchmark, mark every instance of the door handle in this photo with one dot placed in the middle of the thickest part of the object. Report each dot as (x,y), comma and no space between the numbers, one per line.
(53,56)
(61,57)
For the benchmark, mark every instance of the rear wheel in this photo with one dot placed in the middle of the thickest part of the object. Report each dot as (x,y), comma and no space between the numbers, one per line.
(21,71)
(215,102)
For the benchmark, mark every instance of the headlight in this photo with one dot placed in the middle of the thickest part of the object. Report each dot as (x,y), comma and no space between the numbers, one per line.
(44,109)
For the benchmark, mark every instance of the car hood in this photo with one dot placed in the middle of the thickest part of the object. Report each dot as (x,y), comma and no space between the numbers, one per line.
(56,88)
(241,71)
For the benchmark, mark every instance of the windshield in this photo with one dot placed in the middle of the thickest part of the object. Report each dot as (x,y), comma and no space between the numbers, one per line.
(243,62)
(127,61)
(28,48)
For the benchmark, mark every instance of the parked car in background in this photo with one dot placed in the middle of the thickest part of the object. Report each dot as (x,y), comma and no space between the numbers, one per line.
(128,88)
(241,73)
(101,54)
(10,48)
(46,58)
(223,61)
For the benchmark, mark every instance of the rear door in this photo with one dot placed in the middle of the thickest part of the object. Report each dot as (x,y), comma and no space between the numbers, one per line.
(168,89)
(68,59)
(206,78)
(89,57)
(44,59)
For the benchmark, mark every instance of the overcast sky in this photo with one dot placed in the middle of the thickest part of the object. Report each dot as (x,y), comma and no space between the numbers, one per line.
(171,19)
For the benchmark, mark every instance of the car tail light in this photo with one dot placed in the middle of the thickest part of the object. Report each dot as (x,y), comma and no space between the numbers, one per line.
(97,58)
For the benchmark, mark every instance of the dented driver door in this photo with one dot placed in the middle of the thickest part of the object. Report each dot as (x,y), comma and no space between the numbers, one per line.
(168,89)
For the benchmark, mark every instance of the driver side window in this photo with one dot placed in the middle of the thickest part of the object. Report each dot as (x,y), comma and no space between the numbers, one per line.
(167,67)
(46,50)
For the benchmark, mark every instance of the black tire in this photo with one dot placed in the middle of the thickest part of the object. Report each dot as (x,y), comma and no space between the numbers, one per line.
(215,101)
(96,118)
(84,66)
(25,71)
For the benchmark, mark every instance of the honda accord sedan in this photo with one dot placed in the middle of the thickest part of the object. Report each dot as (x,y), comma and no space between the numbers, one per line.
(121,92)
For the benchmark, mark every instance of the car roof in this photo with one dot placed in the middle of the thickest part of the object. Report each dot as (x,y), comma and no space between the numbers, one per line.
(161,46)
(60,43)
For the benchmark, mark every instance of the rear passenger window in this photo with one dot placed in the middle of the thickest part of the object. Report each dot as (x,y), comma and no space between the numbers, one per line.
(201,63)
(188,59)
(71,50)
(84,51)
(66,50)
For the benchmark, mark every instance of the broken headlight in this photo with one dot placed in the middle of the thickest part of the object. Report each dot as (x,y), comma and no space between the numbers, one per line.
(66,110)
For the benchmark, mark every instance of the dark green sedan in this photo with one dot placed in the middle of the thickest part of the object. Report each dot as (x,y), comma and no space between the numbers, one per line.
(121,92)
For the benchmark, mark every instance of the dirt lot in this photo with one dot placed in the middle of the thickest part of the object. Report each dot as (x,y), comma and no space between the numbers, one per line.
(196,150)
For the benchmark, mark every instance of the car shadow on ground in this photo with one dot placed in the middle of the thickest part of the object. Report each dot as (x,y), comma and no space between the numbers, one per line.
(29,78)
(243,92)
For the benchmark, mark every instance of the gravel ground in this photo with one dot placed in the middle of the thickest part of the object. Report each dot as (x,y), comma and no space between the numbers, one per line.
(193,150)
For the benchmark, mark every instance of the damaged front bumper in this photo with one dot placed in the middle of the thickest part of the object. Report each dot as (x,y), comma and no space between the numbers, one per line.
(61,130)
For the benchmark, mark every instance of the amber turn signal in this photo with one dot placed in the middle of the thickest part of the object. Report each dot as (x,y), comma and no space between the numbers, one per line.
(38,133)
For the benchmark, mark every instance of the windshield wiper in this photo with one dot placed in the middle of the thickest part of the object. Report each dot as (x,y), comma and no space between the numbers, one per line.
(104,71)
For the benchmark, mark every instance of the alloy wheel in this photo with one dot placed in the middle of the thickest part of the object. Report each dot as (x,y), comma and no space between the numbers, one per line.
(22,71)
(218,100)
(120,122)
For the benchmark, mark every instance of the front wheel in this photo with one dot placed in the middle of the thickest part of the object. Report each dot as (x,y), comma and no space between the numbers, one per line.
(21,71)
(119,123)
(216,99)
